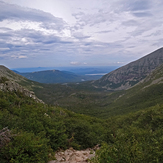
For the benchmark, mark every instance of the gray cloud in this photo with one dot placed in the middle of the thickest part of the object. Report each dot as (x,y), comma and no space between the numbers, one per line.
(16,13)
(130,23)
(80,36)
(142,14)
(106,31)
(138,5)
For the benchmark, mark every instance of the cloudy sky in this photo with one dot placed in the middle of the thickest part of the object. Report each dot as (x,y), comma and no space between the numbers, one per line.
(57,33)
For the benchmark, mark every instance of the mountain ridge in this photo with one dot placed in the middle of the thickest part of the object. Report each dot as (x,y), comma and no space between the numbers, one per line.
(126,76)
(11,82)
(57,76)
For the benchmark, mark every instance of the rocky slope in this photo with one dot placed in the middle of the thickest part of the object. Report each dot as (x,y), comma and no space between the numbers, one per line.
(9,81)
(5,72)
(155,77)
(75,156)
(132,73)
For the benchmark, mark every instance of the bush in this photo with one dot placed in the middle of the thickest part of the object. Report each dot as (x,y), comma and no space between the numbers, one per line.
(26,147)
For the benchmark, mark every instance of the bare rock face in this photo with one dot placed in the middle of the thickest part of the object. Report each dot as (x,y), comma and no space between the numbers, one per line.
(8,82)
(74,156)
(5,72)
(129,75)
(12,86)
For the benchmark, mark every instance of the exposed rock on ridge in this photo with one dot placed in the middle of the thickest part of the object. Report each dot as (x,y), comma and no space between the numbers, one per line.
(11,86)
(132,73)
(8,82)
(5,72)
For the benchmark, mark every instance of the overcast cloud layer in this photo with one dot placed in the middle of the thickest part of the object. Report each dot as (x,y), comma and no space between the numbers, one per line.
(55,33)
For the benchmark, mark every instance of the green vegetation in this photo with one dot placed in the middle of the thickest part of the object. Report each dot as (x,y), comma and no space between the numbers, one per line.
(131,130)
(38,130)
(134,138)
(85,99)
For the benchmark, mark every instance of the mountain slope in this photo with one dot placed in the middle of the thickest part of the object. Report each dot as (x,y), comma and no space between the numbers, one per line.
(5,72)
(12,82)
(147,93)
(130,74)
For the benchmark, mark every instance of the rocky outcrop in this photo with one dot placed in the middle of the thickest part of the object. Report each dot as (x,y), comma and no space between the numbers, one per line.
(129,75)
(74,156)
(9,82)
(12,86)
(5,72)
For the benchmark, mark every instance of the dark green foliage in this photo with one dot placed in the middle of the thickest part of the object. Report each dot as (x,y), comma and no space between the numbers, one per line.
(26,147)
(39,129)
(87,131)
(134,138)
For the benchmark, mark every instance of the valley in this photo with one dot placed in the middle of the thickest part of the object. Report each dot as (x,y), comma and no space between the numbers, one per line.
(38,119)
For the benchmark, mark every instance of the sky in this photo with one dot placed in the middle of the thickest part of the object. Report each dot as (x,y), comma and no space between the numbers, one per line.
(60,33)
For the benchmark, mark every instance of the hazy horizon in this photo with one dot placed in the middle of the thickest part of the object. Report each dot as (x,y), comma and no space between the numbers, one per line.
(101,69)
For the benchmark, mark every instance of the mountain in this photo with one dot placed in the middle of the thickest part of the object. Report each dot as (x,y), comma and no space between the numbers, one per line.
(5,72)
(12,82)
(51,76)
(56,76)
(132,73)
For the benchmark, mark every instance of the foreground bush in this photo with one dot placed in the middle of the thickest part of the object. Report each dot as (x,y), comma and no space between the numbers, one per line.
(134,138)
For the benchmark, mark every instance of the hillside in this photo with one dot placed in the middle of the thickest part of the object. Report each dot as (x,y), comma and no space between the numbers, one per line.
(5,72)
(14,77)
(130,74)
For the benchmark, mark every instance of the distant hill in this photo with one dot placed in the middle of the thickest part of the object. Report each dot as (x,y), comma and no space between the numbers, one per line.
(56,76)
(130,74)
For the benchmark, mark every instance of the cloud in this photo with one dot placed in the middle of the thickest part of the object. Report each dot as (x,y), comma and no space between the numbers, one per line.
(138,5)
(142,14)
(99,34)
(22,57)
(75,63)
(17,13)
(106,31)
(80,36)
(130,23)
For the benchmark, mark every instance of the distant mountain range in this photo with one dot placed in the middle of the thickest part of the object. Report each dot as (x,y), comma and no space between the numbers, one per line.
(56,76)
(132,73)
